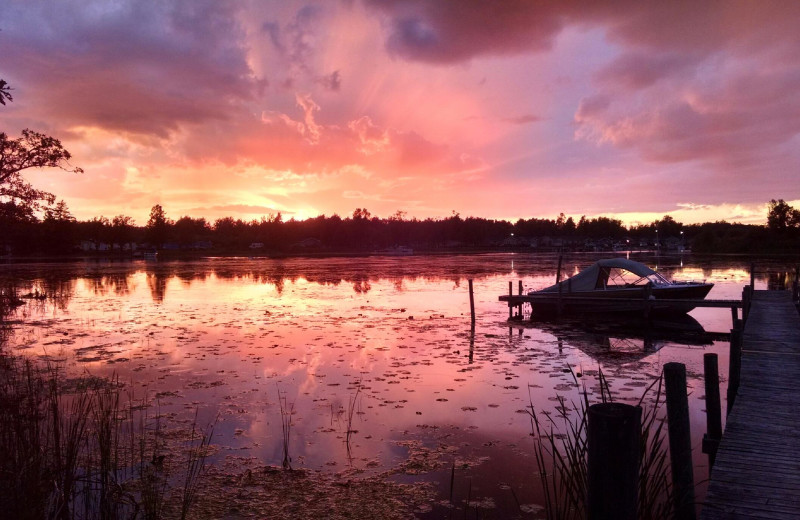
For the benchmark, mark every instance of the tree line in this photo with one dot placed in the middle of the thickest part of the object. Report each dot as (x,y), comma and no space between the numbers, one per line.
(57,232)
(35,222)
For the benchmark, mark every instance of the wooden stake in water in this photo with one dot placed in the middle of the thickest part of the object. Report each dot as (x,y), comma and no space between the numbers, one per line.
(510,305)
(471,302)
(613,436)
(558,271)
(680,440)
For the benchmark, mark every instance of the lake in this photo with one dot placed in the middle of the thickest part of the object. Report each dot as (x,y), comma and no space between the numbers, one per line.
(374,357)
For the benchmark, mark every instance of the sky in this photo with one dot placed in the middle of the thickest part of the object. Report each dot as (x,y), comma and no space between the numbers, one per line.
(504,110)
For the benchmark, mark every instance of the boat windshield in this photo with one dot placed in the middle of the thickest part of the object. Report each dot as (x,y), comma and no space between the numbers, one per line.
(615,277)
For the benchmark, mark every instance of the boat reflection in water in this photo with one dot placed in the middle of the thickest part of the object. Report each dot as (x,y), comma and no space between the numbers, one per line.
(611,339)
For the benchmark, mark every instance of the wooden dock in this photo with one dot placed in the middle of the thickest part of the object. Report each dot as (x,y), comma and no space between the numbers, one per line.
(757,470)
(516,301)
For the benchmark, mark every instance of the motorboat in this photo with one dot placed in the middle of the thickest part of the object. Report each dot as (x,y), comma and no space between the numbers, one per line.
(618,285)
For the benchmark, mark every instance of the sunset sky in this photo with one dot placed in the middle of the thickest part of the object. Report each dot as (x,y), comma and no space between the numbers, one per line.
(499,109)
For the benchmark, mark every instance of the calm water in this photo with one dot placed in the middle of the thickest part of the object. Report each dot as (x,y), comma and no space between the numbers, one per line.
(386,338)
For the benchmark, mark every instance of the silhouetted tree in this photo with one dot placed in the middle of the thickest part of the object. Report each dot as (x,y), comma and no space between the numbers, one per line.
(32,150)
(782,216)
(667,226)
(5,92)
(188,230)
(158,226)
(59,228)
(122,230)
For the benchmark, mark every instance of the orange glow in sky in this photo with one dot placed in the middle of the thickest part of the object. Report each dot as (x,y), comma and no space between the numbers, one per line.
(493,109)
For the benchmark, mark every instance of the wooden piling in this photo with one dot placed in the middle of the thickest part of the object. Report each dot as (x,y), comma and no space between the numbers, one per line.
(510,305)
(752,275)
(648,292)
(734,367)
(680,440)
(558,271)
(613,436)
(713,408)
(471,342)
(471,302)
(747,295)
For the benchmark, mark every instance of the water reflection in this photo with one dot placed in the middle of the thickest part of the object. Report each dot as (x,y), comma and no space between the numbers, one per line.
(609,339)
(225,334)
(536,270)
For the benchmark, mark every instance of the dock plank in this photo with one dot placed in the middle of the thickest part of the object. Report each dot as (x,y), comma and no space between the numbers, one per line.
(757,469)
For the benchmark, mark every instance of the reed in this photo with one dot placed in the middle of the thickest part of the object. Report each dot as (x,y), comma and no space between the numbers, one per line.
(286,427)
(199,444)
(350,412)
(561,450)
(69,449)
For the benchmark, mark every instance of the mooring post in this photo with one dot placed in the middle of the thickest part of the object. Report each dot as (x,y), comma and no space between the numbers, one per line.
(648,292)
(510,294)
(680,440)
(747,294)
(558,271)
(713,408)
(734,367)
(471,342)
(471,302)
(613,436)
(752,275)
(519,307)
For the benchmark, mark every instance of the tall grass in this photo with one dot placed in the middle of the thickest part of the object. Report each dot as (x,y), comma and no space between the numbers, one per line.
(350,411)
(286,427)
(561,453)
(70,449)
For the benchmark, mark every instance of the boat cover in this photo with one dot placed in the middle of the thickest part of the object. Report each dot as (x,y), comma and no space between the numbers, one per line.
(586,280)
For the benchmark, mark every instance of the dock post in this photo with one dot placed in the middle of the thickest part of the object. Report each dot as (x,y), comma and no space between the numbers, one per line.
(747,294)
(519,307)
(560,301)
(613,437)
(648,292)
(510,305)
(713,408)
(752,275)
(680,440)
(734,367)
(471,302)
(558,272)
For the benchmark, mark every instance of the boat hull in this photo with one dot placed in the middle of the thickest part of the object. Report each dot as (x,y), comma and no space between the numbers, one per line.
(678,298)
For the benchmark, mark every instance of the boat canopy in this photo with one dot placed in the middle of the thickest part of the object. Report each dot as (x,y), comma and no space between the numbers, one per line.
(608,273)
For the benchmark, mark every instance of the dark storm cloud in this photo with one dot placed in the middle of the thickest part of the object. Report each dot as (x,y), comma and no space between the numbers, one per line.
(142,67)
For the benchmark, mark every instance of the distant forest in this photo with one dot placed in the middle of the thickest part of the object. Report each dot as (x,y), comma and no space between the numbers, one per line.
(58,233)
(34,223)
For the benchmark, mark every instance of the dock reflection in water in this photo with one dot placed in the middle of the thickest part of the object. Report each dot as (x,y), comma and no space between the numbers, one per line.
(611,339)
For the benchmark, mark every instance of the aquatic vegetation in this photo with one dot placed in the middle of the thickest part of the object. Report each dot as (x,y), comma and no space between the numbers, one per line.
(363,391)
(69,448)
(562,454)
